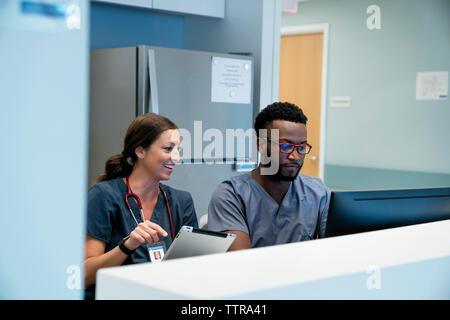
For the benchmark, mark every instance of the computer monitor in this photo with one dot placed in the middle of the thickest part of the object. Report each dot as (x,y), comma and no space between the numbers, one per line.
(360,211)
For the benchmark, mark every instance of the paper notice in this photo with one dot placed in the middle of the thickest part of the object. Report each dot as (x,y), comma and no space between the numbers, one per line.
(231,80)
(432,85)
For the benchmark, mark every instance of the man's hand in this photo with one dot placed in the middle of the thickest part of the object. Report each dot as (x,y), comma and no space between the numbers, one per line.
(241,242)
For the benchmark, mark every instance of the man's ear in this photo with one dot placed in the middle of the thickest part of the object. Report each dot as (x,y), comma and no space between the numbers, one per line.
(261,144)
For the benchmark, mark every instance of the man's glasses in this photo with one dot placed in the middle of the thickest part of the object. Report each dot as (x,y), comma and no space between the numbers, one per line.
(289,147)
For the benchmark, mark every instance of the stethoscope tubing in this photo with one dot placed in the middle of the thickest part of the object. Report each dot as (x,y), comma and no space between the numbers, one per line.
(138,201)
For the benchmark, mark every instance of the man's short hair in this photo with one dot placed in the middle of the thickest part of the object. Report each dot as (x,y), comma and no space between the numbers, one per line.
(279,111)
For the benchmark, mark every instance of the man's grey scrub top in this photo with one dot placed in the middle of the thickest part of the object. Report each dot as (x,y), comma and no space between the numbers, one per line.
(242,204)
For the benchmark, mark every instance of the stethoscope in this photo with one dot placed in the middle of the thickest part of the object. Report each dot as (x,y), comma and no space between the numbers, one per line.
(141,210)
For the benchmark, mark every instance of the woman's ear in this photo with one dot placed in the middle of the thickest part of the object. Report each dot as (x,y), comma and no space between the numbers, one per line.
(140,152)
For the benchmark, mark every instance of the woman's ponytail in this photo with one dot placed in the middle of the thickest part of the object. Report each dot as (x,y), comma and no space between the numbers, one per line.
(116,166)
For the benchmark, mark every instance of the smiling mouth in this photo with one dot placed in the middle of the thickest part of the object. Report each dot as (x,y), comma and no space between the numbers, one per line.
(168,167)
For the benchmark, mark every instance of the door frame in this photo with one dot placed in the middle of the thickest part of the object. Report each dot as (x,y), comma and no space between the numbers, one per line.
(307,29)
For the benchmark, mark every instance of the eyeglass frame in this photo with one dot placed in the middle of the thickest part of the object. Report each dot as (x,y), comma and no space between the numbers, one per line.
(295,146)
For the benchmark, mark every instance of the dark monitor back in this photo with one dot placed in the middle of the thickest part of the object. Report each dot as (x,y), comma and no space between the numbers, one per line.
(360,211)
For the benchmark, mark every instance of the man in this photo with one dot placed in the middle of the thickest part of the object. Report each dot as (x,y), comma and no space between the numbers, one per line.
(268,207)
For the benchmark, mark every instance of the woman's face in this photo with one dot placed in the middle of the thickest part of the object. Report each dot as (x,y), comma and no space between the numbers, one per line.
(161,157)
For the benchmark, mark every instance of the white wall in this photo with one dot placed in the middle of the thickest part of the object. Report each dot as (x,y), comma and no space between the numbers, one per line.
(385,127)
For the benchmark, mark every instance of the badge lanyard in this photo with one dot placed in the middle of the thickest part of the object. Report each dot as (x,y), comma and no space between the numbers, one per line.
(141,210)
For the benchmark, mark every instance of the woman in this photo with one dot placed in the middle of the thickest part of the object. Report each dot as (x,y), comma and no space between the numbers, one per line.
(118,231)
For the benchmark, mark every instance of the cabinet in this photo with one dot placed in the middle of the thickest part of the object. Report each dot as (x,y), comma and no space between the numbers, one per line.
(209,8)
(135,3)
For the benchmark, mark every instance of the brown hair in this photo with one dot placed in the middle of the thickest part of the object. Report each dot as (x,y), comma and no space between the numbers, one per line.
(142,132)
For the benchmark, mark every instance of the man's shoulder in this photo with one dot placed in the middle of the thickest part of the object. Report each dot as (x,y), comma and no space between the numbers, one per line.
(233,186)
(310,183)
(235,182)
(310,179)
(240,178)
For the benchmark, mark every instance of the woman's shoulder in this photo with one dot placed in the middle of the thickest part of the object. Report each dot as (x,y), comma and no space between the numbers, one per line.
(111,188)
(178,194)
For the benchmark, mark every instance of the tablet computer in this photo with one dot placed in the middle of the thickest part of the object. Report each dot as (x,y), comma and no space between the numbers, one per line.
(191,242)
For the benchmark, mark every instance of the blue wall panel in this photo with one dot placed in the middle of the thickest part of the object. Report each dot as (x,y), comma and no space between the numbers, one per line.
(122,26)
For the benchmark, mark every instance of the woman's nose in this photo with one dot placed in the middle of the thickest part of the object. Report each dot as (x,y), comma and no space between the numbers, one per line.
(175,155)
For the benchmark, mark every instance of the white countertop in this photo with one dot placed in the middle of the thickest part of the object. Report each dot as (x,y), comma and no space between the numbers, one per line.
(233,273)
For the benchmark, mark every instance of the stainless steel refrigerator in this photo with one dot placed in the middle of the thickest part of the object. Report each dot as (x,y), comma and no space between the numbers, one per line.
(185,86)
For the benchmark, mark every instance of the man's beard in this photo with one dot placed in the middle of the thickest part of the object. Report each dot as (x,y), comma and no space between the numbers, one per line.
(280,177)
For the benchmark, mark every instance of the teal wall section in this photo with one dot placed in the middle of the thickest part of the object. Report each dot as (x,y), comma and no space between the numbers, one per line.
(385,128)
(359,178)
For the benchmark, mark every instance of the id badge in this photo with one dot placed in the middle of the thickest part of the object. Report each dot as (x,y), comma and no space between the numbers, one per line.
(156,251)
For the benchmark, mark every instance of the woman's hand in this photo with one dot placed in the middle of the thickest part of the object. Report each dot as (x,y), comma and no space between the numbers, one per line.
(145,232)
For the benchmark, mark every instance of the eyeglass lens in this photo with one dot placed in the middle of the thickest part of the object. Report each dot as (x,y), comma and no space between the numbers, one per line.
(288,148)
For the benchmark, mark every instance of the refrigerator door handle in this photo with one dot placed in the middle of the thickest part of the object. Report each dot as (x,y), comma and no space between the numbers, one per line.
(153,92)
(142,74)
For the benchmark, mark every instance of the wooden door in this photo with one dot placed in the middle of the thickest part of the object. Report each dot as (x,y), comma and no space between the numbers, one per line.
(300,83)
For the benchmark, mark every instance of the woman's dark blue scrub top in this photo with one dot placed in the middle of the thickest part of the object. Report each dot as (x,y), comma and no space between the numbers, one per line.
(109,219)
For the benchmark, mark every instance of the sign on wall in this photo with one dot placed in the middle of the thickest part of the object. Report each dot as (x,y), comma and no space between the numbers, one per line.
(432,85)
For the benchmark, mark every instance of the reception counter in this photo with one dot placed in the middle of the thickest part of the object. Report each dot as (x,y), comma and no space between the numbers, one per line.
(410,262)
